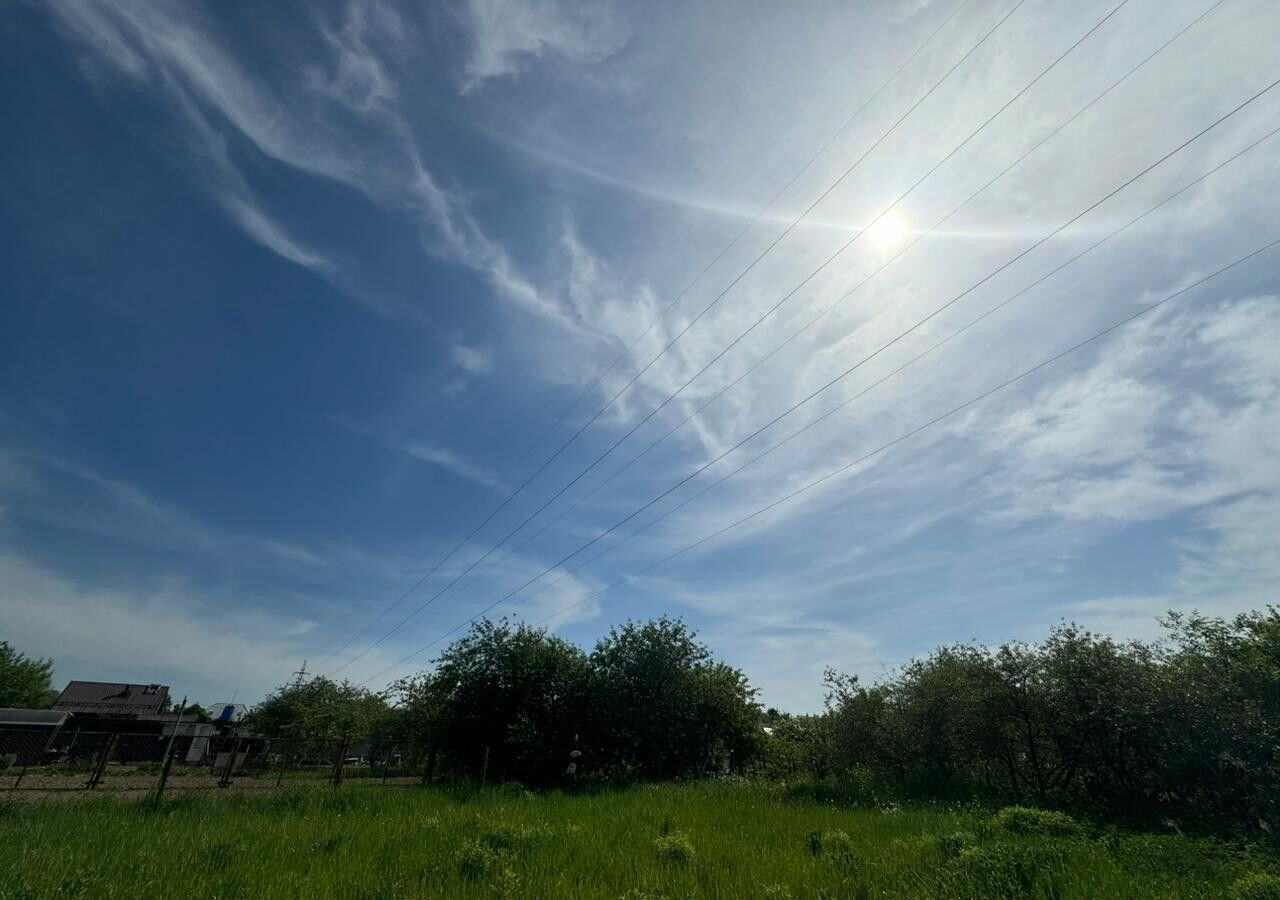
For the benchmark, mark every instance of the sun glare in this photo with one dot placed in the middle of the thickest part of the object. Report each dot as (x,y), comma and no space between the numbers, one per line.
(888,231)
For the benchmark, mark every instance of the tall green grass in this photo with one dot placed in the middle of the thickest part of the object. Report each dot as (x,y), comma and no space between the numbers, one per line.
(704,840)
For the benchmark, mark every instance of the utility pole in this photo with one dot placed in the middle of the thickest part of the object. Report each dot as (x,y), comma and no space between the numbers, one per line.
(301,673)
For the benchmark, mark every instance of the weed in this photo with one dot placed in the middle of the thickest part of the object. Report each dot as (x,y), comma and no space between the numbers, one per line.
(674,847)
(1026,820)
(476,860)
(1256,886)
(951,845)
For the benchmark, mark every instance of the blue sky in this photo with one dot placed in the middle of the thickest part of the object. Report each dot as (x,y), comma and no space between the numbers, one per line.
(291,290)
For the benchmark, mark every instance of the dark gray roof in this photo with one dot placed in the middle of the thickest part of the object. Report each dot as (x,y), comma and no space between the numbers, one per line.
(34,717)
(112,698)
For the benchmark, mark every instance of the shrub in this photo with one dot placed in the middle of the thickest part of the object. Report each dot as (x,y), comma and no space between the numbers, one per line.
(1029,821)
(1006,872)
(1256,886)
(835,846)
(951,845)
(674,847)
(476,860)
(829,842)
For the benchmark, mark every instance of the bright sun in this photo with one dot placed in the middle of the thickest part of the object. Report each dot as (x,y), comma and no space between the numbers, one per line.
(888,231)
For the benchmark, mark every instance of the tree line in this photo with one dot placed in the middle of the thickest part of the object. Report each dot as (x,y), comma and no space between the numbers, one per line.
(1184,729)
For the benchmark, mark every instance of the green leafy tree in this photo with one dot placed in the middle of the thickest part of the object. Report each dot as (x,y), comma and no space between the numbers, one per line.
(664,707)
(321,709)
(24,682)
(515,690)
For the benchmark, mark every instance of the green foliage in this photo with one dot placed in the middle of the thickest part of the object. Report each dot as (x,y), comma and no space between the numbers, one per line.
(25,683)
(649,701)
(674,847)
(516,690)
(476,860)
(665,707)
(952,845)
(1007,872)
(371,843)
(1256,886)
(1185,729)
(320,709)
(1027,821)
(197,713)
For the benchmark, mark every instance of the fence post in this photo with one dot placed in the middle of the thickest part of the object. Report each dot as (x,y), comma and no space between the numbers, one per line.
(225,781)
(429,771)
(107,749)
(484,767)
(341,761)
(284,762)
(168,751)
(18,780)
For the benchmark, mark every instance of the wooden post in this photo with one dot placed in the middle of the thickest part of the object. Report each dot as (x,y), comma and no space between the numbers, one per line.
(107,749)
(429,773)
(168,751)
(341,761)
(484,767)
(225,781)
(386,766)
(284,762)
(18,780)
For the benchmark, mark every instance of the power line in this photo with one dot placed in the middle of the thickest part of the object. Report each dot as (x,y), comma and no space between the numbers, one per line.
(893,341)
(626,353)
(882,448)
(581,429)
(915,359)
(839,300)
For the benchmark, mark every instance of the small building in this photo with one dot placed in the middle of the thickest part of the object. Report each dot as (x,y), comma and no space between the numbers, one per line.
(112,700)
(27,734)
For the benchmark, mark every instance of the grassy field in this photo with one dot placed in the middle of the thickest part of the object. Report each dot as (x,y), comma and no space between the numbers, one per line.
(703,840)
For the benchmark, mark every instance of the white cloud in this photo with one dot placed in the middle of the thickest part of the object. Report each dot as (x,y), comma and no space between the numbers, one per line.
(451,462)
(340,122)
(505,32)
(163,630)
(473,360)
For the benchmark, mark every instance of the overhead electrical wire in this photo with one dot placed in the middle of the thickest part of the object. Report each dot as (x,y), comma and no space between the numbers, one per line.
(626,352)
(839,300)
(738,278)
(885,446)
(915,359)
(903,334)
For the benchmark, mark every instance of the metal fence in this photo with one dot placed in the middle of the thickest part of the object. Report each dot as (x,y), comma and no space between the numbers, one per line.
(48,763)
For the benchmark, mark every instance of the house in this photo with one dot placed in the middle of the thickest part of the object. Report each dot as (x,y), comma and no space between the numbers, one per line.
(112,700)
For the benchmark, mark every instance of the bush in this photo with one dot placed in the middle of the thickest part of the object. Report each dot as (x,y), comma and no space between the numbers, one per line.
(674,847)
(951,845)
(1256,886)
(1042,822)
(476,860)
(1005,872)
(504,838)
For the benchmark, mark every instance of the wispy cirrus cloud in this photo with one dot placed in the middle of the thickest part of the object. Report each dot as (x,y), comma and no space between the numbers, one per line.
(426,452)
(340,121)
(506,33)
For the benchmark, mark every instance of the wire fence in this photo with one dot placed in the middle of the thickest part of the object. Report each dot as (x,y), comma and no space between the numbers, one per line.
(43,764)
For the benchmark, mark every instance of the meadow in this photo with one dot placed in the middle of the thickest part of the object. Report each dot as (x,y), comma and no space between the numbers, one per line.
(658,842)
